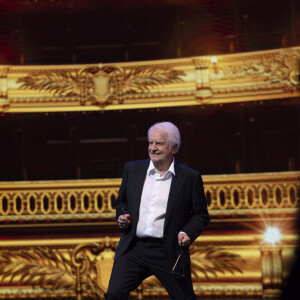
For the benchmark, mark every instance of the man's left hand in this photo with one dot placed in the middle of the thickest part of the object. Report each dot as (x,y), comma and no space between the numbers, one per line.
(183,239)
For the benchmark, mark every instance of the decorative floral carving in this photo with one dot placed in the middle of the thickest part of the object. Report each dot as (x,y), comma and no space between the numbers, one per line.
(85,269)
(119,83)
(277,69)
(142,79)
(255,76)
(211,261)
(53,270)
(101,84)
(59,83)
(42,267)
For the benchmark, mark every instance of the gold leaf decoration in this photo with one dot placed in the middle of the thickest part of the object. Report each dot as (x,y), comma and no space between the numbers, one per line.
(211,261)
(41,267)
(86,269)
(50,269)
(276,70)
(60,83)
(121,82)
(142,79)
(125,82)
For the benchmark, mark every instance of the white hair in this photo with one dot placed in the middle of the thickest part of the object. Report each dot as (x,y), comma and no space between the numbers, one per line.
(171,130)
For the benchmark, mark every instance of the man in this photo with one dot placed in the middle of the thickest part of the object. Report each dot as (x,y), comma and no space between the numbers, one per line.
(161,209)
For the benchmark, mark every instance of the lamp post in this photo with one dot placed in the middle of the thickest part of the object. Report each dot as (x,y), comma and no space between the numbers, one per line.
(271,264)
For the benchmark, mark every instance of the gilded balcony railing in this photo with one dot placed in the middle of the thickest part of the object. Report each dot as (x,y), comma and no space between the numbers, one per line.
(93,200)
(230,259)
(239,77)
(250,193)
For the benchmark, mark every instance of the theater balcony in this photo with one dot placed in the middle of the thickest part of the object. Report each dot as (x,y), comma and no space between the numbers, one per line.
(67,131)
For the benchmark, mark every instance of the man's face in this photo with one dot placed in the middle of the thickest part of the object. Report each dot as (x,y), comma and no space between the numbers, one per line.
(159,149)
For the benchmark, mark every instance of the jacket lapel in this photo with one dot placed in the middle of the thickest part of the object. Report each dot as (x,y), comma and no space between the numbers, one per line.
(140,174)
(175,189)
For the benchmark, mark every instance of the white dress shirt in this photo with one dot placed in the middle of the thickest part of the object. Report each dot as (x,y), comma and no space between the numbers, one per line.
(154,202)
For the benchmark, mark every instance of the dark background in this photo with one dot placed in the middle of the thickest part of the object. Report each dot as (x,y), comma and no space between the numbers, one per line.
(217,139)
(91,31)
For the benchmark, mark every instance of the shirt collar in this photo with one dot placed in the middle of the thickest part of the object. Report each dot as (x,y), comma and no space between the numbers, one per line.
(151,169)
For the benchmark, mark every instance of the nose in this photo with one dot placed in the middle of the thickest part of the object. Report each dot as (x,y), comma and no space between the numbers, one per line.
(153,147)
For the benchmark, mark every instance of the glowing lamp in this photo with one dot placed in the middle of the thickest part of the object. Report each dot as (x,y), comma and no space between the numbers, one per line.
(272,235)
(214,59)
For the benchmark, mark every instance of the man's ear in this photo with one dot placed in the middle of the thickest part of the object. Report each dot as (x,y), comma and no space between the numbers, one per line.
(174,149)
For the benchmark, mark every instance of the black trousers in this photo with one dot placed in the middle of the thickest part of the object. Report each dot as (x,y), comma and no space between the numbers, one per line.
(147,257)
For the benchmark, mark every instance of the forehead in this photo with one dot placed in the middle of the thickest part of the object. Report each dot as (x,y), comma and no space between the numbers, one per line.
(157,134)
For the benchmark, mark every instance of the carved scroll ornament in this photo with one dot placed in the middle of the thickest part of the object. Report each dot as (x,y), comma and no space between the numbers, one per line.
(277,69)
(54,270)
(100,85)
(202,80)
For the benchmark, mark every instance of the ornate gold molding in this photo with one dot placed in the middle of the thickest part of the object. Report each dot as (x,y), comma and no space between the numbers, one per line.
(88,201)
(254,76)
(230,258)
(99,85)
(80,268)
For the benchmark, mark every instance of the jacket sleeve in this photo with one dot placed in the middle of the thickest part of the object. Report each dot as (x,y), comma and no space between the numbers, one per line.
(199,214)
(121,202)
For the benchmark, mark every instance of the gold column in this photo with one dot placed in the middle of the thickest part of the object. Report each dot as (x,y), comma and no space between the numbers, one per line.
(272,271)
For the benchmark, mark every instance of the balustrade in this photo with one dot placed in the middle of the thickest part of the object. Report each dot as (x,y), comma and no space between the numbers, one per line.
(88,200)
(219,257)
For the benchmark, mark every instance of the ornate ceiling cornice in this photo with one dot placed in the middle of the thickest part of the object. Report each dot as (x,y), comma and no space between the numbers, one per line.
(204,80)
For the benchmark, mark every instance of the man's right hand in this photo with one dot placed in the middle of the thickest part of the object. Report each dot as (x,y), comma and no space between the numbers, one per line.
(124,221)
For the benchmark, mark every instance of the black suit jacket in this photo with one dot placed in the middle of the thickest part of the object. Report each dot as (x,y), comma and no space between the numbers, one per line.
(186,208)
